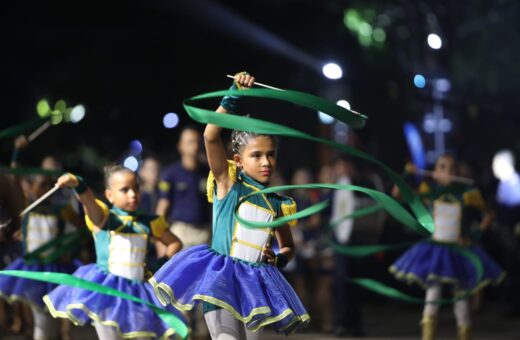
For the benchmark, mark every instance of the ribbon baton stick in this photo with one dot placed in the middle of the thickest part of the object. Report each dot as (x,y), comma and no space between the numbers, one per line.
(39,200)
(39,131)
(259,84)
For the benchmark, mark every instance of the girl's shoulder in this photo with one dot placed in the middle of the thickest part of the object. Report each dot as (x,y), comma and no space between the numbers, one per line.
(211,183)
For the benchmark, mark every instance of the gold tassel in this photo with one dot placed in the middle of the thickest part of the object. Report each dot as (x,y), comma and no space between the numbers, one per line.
(210,185)
(289,209)
(429,327)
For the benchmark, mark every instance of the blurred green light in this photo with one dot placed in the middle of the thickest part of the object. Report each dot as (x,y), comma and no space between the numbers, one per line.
(57,117)
(379,35)
(365,29)
(351,19)
(60,105)
(365,40)
(43,108)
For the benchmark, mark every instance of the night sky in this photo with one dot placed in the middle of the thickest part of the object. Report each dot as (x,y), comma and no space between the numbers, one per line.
(130,62)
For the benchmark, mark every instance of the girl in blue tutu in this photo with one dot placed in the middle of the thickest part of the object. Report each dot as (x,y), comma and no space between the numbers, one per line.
(433,263)
(237,279)
(40,227)
(121,239)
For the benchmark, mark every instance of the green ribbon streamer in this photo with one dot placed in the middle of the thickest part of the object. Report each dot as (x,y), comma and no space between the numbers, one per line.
(385,290)
(16,130)
(354,119)
(69,280)
(421,221)
(61,244)
(25,171)
(366,250)
(388,203)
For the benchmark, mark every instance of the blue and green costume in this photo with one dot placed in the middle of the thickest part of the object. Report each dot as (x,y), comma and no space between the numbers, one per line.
(121,247)
(231,274)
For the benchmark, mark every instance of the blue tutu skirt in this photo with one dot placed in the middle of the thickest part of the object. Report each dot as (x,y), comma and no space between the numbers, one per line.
(429,262)
(256,294)
(30,291)
(131,319)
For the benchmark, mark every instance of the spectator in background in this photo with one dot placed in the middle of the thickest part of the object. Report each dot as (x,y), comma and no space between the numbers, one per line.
(149,175)
(183,192)
(183,202)
(347,311)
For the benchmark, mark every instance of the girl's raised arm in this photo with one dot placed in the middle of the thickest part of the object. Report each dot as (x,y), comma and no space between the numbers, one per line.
(215,149)
(95,213)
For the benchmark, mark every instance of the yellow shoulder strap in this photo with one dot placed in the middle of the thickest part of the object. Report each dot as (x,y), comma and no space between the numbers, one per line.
(90,224)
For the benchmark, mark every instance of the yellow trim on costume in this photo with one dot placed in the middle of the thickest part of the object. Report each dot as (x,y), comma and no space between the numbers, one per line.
(222,304)
(290,209)
(142,235)
(159,226)
(270,212)
(248,244)
(106,211)
(263,196)
(75,306)
(412,278)
(210,185)
(473,198)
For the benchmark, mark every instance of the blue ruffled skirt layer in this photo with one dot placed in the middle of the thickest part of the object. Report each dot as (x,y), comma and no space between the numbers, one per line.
(131,319)
(30,291)
(429,262)
(255,294)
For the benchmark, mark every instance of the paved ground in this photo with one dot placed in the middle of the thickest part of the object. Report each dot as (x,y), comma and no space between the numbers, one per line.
(392,321)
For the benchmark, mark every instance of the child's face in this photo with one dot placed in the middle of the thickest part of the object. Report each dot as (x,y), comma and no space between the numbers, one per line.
(258,159)
(444,170)
(123,191)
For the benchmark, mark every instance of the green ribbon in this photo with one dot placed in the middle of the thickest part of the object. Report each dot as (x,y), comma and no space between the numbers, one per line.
(352,118)
(385,290)
(421,220)
(60,245)
(388,203)
(16,130)
(25,171)
(69,280)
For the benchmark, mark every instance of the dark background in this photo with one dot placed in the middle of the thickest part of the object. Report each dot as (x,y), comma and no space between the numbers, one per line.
(130,62)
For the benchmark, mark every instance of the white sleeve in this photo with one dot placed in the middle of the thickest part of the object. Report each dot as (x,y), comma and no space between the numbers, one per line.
(343,204)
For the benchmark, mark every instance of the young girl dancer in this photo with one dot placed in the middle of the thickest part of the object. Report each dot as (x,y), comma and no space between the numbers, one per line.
(121,238)
(39,227)
(237,278)
(433,263)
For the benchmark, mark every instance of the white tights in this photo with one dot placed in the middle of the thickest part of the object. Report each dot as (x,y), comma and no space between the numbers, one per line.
(460,307)
(45,326)
(109,332)
(224,326)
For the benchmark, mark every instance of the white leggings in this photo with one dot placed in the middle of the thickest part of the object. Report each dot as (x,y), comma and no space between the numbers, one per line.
(45,326)
(109,332)
(460,307)
(223,326)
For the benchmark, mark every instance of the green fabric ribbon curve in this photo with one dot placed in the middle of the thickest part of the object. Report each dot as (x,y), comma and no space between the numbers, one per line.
(421,220)
(69,280)
(16,130)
